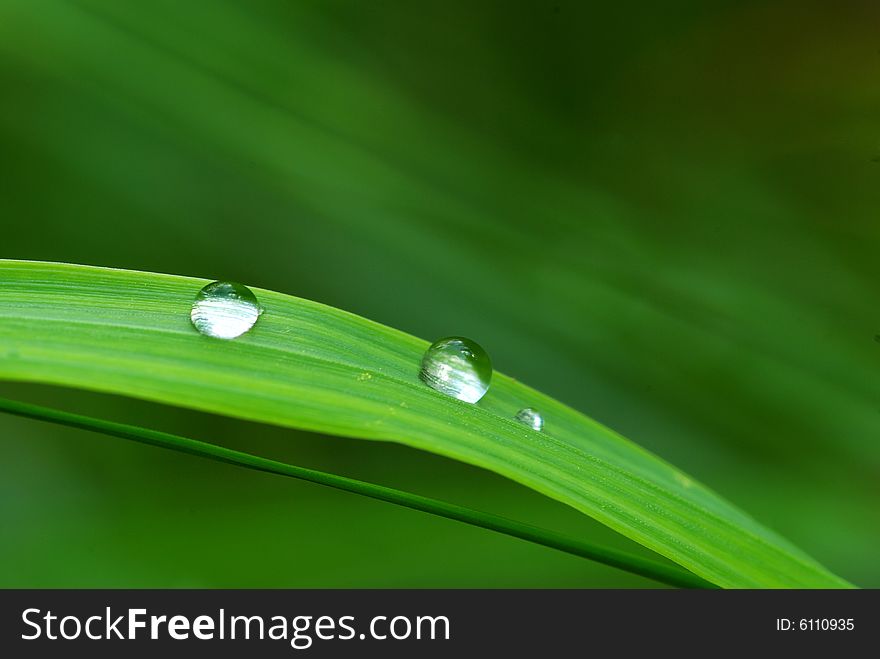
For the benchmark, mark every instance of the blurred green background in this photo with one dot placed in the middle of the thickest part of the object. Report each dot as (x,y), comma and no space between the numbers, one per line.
(663,214)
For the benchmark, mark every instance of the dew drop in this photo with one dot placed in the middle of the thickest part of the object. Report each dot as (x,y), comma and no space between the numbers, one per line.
(530,417)
(225,310)
(457,367)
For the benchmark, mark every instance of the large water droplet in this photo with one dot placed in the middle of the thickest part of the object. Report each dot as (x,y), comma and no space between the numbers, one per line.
(457,367)
(225,310)
(530,417)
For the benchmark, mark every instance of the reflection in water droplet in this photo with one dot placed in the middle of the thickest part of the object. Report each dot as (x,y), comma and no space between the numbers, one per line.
(457,367)
(225,310)
(530,417)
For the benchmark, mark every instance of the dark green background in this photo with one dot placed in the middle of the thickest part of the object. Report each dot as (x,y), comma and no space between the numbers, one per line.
(662,213)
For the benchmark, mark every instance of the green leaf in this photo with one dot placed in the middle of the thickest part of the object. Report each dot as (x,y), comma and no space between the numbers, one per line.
(310,366)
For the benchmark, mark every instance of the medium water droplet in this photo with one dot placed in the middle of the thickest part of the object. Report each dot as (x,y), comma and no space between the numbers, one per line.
(530,417)
(225,310)
(457,367)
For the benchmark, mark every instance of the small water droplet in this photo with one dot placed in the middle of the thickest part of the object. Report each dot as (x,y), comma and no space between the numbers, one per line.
(683,480)
(530,417)
(457,367)
(225,310)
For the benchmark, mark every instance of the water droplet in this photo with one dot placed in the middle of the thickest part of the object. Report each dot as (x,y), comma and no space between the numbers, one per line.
(530,417)
(683,480)
(225,310)
(457,367)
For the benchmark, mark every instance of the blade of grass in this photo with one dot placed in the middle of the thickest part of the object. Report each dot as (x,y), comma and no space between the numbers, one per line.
(310,366)
(667,574)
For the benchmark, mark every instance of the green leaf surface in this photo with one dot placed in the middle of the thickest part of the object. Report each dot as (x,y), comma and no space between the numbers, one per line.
(310,366)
